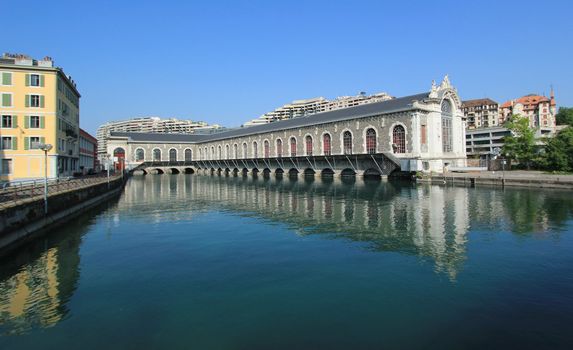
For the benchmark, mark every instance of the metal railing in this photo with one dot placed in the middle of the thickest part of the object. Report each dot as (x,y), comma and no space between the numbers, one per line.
(17,192)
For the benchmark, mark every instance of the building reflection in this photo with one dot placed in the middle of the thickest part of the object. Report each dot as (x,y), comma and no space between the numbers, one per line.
(37,282)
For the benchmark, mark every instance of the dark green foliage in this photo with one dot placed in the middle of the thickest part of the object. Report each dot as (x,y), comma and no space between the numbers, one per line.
(564,116)
(559,151)
(521,144)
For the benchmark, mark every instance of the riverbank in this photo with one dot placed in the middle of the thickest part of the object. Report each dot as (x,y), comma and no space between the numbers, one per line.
(537,179)
(25,218)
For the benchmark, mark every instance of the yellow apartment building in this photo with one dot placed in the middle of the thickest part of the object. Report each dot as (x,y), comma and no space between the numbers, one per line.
(39,104)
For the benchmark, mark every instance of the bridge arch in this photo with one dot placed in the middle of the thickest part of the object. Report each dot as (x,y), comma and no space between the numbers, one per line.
(372,173)
(327,172)
(245,171)
(158,171)
(189,171)
(279,172)
(348,172)
(266,172)
(308,172)
(293,172)
(174,171)
(235,172)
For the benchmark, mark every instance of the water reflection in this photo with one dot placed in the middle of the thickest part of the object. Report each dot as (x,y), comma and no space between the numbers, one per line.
(429,221)
(37,282)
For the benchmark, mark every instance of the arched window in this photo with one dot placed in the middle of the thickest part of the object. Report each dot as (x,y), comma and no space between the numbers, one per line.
(157,155)
(227,153)
(327,149)
(267,149)
(370,141)
(446,126)
(255,150)
(292,147)
(206,154)
(279,148)
(399,139)
(220,153)
(188,155)
(212,152)
(236,151)
(139,155)
(245,150)
(308,142)
(347,142)
(173,155)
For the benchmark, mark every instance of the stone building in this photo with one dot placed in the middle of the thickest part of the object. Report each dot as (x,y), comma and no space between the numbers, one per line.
(422,132)
(481,113)
(540,110)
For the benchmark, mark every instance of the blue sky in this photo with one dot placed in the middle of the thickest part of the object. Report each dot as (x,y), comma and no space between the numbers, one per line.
(227,62)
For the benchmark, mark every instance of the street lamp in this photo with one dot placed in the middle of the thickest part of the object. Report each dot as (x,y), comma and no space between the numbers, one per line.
(107,159)
(45,147)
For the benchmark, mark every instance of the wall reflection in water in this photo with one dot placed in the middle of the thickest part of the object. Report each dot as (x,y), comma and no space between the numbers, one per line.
(430,221)
(37,282)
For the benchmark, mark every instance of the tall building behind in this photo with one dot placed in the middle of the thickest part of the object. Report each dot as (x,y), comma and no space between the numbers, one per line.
(88,152)
(148,125)
(481,113)
(301,108)
(39,104)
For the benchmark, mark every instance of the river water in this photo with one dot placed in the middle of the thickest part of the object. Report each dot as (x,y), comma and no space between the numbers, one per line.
(199,262)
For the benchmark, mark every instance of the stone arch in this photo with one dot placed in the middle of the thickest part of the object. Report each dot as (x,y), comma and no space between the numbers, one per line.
(292,146)
(309,172)
(346,142)
(158,171)
(174,171)
(326,143)
(188,153)
(398,138)
(227,171)
(245,171)
(293,172)
(266,172)
(279,172)
(308,145)
(372,173)
(156,155)
(172,155)
(347,172)
(327,172)
(235,172)
(139,154)
(370,137)
(189,171)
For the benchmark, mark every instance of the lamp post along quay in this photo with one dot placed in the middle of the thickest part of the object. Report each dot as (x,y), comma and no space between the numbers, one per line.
(46,147)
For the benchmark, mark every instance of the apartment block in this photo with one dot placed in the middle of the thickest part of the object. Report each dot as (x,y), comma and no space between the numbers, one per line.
(481,113)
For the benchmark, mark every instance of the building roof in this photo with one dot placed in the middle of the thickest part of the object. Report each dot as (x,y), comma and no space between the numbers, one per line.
(87,135)
(361,111)
(526,100)
(478,102)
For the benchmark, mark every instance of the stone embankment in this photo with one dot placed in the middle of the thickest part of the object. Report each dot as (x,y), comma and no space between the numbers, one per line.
(534,179)
(22,210)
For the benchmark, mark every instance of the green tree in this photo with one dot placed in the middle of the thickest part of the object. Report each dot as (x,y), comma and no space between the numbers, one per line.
(559,151)
(520,145)
(564,116)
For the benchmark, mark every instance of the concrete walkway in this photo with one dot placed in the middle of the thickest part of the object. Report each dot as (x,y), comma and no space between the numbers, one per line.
(506,178)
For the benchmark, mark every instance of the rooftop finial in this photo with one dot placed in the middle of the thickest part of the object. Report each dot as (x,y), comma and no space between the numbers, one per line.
(445,83)
(433,90)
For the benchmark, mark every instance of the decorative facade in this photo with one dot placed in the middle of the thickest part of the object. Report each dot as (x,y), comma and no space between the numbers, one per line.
(422,132)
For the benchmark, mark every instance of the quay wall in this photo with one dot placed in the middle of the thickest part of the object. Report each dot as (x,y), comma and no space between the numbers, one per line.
(554,182)
(27,220)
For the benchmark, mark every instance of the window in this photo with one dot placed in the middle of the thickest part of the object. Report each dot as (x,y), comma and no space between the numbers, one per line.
(139,155)
(34,122)
(34,100)
(6,100)
(173,155)
(347,142)
(308,143)
(156,155)
(6,166)
(227,153)
(424,135)
(220,152)
(189,155)
(34,80)
(326,144)
(6,142)
(34,142)
(6,78)
(6,121)
(267,149)
(236,151)
(244,150)
(446,126)
(293,147)
(255,150)
(399,139)
(370,141)
(279,148)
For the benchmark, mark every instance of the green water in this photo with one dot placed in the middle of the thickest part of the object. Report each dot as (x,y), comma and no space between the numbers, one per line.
(199,262)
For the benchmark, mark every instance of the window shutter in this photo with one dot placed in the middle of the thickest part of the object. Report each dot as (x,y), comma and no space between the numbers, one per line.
(6,78)
(14,121)
(42,121)
(14,143)
(26,143)
(27,79)
(6,100)
(41,80)
(42,101)
(27,100)
(26,121)
(43,140)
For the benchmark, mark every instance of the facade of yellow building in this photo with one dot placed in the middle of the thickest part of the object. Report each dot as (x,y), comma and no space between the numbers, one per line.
(38,104)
